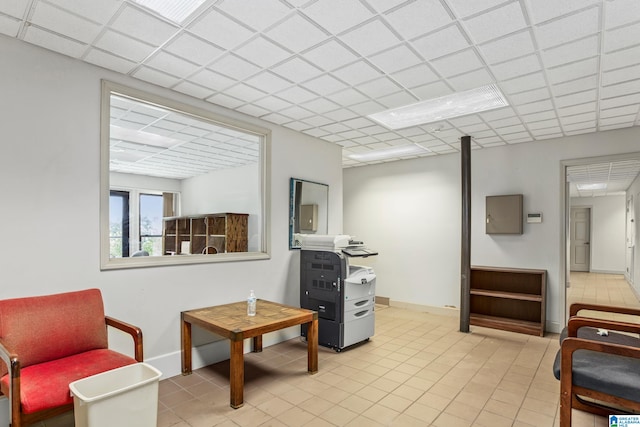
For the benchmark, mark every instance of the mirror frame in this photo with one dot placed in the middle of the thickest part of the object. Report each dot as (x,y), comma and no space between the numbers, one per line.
(108,263)
(292,208)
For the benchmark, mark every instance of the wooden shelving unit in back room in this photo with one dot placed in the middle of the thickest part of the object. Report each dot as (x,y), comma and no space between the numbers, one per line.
(511,299)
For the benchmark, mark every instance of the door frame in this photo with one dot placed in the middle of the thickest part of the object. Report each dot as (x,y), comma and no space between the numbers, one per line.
(565,211)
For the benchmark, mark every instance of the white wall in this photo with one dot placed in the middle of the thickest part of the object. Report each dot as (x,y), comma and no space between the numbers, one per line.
(49,170)
(607,232)
(410,211)
(634,190)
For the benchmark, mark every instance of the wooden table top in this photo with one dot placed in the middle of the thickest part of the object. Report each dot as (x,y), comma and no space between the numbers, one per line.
(232,321)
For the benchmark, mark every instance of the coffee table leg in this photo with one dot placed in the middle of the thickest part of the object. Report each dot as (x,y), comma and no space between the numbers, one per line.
(237,373)
(257,344)
(312,346)
(185,331)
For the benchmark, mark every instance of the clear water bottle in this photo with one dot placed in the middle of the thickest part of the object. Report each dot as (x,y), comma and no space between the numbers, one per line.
(251,304)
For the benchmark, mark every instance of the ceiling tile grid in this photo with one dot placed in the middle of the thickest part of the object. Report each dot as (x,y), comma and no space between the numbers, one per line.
(321,66)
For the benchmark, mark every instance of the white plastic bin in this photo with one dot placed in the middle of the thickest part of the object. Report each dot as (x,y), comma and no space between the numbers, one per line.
(123,397)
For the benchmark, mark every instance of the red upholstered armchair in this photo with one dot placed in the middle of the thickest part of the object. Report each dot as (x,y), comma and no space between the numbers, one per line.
(47,342)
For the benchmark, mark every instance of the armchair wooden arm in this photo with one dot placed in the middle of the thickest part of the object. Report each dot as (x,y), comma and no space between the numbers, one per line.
(13,366)
(134,331)
(575,308)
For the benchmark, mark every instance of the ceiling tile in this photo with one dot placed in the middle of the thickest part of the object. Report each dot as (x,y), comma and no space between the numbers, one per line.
(212,80)
(440,43)
(296,112)
(330,55)
(272,103)
(457,63)
(126,47)
(220,30)
(577,109)
(621,12)
(620,101)
(297,33)
(106,60)
(397,58)
(465,8)
(63,45)
(370,38)
(619,89)
(516,67)
(347,97)
(397,99)
(234,67)
(148,74)
(63,22)
(544,10)
(496,23)
(262,52)
(415,76)
(471,80)
(576,98)
(9,26)
(530,96)
(620,75)
(523,83)
(577,85)
(253,110)
(194,90)
(535,117)
(225,101)
(621,58)
(296,95)
(142,26)
(341,115)
(99,12)
(257,14)
(619,111)
(296,70)
(572,71)
(268,82)
(579,118)
(337,15)
(568,29)
(621,38)
(317,120)
(171,64)
(367,107)
(320,105)
(431,90)
(378,88)
(193,49)
(325,85)
(581,49)
(15,8)
(357,73)
(418,18)
(535,107)
(384,5)
(543,124)
(506,48)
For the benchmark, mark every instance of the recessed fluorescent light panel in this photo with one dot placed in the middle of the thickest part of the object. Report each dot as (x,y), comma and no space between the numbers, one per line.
(386,153)
(473,101)
(595,186)
(174,10)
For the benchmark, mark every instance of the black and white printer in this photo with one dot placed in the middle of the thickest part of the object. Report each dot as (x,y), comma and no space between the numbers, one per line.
(342,293)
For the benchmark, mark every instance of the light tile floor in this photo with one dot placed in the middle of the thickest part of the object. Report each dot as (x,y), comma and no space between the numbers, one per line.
(417,370)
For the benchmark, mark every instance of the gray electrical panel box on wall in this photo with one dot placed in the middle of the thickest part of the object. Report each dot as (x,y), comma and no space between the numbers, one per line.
(504,214)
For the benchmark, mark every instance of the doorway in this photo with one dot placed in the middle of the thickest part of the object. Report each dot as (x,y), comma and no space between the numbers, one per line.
(580,236)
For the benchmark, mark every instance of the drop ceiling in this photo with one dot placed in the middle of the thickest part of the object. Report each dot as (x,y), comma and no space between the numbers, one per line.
(320,67)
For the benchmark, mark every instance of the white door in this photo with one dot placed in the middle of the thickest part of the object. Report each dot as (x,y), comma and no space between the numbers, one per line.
(580,235)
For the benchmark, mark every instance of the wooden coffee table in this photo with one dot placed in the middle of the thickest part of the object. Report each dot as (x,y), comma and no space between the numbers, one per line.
(231,321)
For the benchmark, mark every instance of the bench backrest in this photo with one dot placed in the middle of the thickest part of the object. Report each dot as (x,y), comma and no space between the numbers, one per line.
(43,328)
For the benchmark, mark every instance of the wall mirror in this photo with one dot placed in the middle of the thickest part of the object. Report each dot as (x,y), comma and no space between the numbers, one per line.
(179,184)
(308,207)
